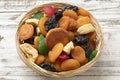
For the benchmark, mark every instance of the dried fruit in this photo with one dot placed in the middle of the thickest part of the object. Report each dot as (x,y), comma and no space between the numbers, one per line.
(92,36)
(57,65)
(71,35)
(62,57)
(64,22)
(57,35)
(92,55)
(83,12)
(87,49)
(74,8)
(40,59)
(49,10)
(36,42)
(26,31)
(71,14)
(81,39)
(41,25)
(85,29)
(42,45)
(37,15)
(56,51)
(48,67)
(70,64)
(32,21)
(81,21)
(68,47)
(78,53)
(29,51)
(72,24)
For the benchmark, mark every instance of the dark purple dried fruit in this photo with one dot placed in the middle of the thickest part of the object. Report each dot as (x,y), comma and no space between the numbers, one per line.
(74,8)
(48,67)
(87,49)
(58,15)
(81,39)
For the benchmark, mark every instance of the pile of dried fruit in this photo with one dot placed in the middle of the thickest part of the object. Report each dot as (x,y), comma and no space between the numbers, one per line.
(58,39)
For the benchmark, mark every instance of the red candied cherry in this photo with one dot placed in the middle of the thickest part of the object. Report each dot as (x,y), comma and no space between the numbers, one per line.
(63,56)
(49,10)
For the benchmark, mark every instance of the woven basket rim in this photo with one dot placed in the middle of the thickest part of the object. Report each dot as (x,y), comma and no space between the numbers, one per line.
(64,73)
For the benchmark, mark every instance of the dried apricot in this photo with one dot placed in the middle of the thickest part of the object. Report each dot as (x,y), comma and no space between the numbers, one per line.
(83,12)
(36,42)
(64,22)
(56,35)
(78,53)
(81,21)
(26,31)
(72,24)
(41,24)
(40,59)
(56,51)
(70,64)
(71,14)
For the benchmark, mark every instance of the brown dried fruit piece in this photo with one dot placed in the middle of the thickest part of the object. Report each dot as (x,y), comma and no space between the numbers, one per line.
(64,22)
(83,12)
(71,14)
(56,51)
(70,64)
(26,31)
(36,42)
(83,20)
(41,24)
(57,65)
(72,24)
(92,36)
(56,35)
(71,35)
(78,53)
(40,59)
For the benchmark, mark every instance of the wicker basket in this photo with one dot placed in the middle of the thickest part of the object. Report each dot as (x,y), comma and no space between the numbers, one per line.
(41,71)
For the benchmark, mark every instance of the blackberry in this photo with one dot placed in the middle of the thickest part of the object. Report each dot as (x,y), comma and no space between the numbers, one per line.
(48,67)
(81,39)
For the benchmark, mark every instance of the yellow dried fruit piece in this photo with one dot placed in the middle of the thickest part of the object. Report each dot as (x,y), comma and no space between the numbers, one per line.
(29,51)
(32,21)
(68,47)
(83,12)
(85,29)
(56,51)
(36,42)
(70,64)
(81,21)
(78,53)
(41,25)
(40,59)
(71,14)
(64,22)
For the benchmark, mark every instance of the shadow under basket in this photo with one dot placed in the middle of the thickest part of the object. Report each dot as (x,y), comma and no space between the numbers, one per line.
(77,71)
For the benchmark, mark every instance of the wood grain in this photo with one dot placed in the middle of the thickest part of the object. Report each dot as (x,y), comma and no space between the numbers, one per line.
(107,13)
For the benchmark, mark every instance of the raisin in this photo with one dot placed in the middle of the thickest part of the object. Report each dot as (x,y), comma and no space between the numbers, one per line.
(48,67)
(81,39)
(58,15)
(87,49)
(74,8)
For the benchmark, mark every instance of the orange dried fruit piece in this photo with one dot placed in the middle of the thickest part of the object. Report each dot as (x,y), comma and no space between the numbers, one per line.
(70,64)
(83,20)
(56,51)
(78,53)
(71,35)
(72,24)
(92,36)
(83,12)
(64,22)
(40,59)
(57,65)
(71,14)
(41,25)
(56,35)
(36,42)
(26,31)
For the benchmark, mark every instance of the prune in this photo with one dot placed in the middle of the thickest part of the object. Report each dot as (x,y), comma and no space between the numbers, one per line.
(48,67)
(81,39)
(87,49)
(74,8)
(51,23)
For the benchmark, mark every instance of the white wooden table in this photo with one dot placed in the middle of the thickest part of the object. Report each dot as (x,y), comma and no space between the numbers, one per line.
(107,13)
